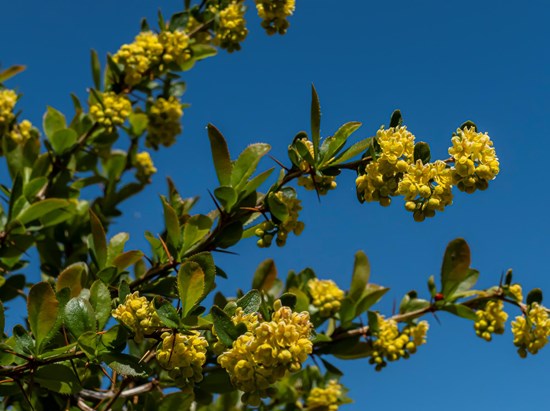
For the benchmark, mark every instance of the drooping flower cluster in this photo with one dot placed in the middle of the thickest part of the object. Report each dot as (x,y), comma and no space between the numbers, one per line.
(111,111)
(490,320)
(183,355)
(8,99)
(326,296)
(475,159)
(144,166)
(391,344)
(176,47)
(22,132)
(267,351)
(139,57)
(138,314)
(268,229)
(427,188)
(231,29)
(164,122)
(381,178)
(531,332)
(274,14)
(325,398)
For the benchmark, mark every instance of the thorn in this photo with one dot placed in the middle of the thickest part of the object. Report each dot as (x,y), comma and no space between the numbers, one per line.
(219,250)
(165,247)
(222,213)
(279,163)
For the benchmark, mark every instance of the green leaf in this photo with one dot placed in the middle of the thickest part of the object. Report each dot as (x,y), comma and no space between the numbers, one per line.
(230,235)
(468,124)
(250,302)
(206,262)
(138,123)
(127,259)
(79,316)
(360,276)
(125,364)
(33,187)
(177,401)
(422,152)
(396,119)
(116,246)
(168,315)
(96,69)
(246,164)
(460,311)
(63,139)
(456,266)
(99,240)
(43,309)
(88,344)
(331,368)
(227,196)
(225,329)
(468,282)
(73,277)
(315,121)
(288,300)
(172,224)
(277,207)
(265,275)
(100,300)
(354,150)
(191,285)
(114,340)
(10,72)
(371,295)
(356,351)
(108,274)
(534,296)
(216,382)
(202,51)
(256,182)
(347,310)
(195,229)
(41,208)
(431,286)
(24,344)
(57,378)
(53,121)
(220,155)
(333,145)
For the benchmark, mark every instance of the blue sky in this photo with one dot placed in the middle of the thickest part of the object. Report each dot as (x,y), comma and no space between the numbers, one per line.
(441,63)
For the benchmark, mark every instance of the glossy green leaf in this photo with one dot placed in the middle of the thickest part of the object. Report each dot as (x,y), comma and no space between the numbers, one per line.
(79,316)
(356,351)
(100,300)
(125,364)
(225,329)
(108,274)
(277,207)
(127,259)
(99,240)
(24,344)
(41,208)
(43,309)
(256,182)
(73,277)
(315,121)
(333,145)
(172,224)
(360,276)
(331,368)
(53,121)
(354,150)
(88,344)
(191,285)
(456,266)
(265,275)
(33,187)
(63,139)
(460,311)
(288,300)
(347,310)
(202,51)
(195,229)
(116,246)
(168,315)
(206,261)
(220,155)
(396,119)
(371,295)
(57,378)
(422,152)
(227,196)
(230,235)
(250,302)
(216,382)
(247,163)
(534,296)
(138,123)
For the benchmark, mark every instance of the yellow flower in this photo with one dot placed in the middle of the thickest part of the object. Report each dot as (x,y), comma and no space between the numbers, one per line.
(427,188)
(322,184)
(267,351)
(139,57)
(274,14)
(475,160)
(531,332)
(22,132)
(176,47)
(490,320)
(164,122)
(112,111)
(231,30)
(138,314)
(391,344)
(183,355)
(144,165)
(8,99)
(326,296)
(516,291)
(325,398)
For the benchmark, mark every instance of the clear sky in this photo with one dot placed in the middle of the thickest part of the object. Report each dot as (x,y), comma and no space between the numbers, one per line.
(441,63)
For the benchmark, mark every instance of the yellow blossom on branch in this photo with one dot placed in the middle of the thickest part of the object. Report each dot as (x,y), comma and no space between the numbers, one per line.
(22,132)
(138,314)
(183,355)
(144,165)
(140,56)
(325,398)
(231,29)
(532,330)
(8,99)
(274,14)
(112,111)
(164,122)
(326,296)
(490,320)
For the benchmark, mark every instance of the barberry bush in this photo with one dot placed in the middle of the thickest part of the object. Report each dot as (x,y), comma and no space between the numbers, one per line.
(115,329)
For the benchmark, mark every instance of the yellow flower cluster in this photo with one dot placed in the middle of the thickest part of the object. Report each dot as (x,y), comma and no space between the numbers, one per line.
(139,57)
(381,178)
(322,184)
(325,398)
(8,99)
(164,122)
(138,314)
(516,291)
(490,320)
(475,159)
(144,166)
(267,351)
(112,111)
(176,47)
(427,188)
(267,230)
(326,296)
(531,332)
(22,132)
(392,344)
(231,30)
(274,14)
(183,355)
